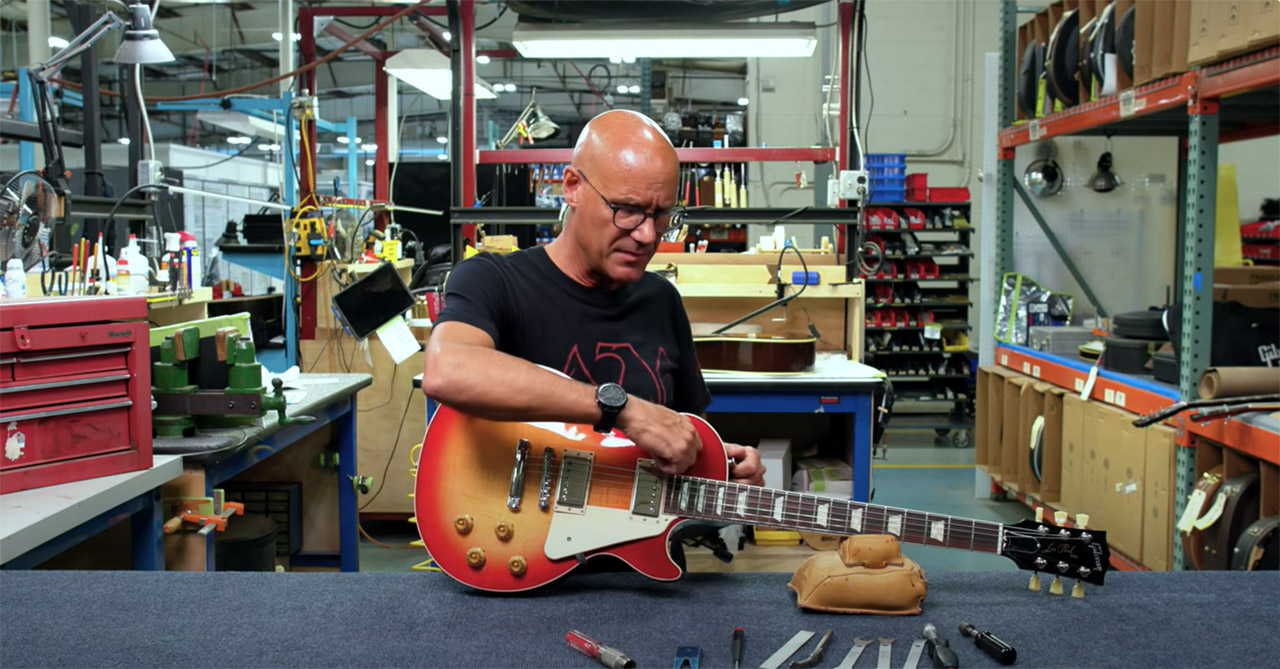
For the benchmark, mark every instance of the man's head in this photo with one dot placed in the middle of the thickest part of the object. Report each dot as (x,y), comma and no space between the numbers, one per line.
(624,170)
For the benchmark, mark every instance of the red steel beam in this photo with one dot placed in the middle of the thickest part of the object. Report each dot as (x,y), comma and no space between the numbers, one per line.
(306,175)
(388,10)
(1156,96)
(1240,75)
(467,51)
(737,154)
(381,184)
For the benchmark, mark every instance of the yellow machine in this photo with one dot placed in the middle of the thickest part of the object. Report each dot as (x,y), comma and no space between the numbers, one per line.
(310,236)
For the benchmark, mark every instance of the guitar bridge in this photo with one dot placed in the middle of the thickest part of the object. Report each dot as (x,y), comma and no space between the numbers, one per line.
(516,492)
(575,481)
(544,488)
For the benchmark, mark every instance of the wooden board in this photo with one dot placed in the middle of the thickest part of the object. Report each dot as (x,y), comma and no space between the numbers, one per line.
(750,274)
(389,403)
(789,261)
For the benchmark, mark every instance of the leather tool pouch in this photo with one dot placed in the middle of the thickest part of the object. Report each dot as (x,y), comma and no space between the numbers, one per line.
(1241,510)
(1258,547)
(867,574)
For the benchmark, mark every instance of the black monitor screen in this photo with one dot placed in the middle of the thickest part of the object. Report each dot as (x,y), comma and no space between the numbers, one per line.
(376,298)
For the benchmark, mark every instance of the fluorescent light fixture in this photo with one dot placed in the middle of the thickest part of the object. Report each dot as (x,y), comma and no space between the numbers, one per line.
(142,43)
(622,88)
(58,42)
(124,140)
(665,40)
(633,88)
(428,71)
(369,147)
(264,147)
(369,162)
(482,59)
(446,35)
(743,101)
(343,139)
(442,156)
(240,123)
(274,147)
(442,139)
(239,139)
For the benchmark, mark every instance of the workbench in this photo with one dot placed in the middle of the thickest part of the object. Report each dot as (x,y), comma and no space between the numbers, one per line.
(218,454)
(40,523)
(425,619)
(836,385)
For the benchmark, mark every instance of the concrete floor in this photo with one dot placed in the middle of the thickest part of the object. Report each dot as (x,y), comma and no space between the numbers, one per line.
(919,471)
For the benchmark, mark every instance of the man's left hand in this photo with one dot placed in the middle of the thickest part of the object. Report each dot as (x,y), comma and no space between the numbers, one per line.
(748,469)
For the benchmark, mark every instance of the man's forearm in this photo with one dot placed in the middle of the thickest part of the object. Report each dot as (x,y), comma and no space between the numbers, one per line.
(498,386)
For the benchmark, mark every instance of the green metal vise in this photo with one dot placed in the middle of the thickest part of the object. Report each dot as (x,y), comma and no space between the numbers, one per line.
(181,407)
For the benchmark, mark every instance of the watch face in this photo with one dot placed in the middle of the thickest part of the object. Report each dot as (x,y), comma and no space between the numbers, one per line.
(612,394)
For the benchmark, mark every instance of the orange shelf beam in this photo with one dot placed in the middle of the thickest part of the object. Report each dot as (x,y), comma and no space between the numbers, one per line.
(1137,395)
(736,154)
(1240,75)
(1239,435)
(1140,101)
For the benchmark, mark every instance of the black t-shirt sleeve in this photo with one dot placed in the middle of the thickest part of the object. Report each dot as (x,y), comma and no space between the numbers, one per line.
(692,395)
(476,294)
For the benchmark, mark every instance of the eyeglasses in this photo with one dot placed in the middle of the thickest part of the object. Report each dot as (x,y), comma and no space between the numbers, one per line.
(626,217)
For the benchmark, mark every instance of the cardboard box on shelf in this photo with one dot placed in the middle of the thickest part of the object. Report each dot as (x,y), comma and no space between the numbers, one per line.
(827,476)
(1012,420)
(1222,29)
(989,422)
(1051,447)
(1262,21)
(1124,466)
(1157,528)
(775,455)
(1246,275)
(1031,407)
(1073,410)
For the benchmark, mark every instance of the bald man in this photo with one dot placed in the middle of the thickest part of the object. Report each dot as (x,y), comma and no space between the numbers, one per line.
(584,305)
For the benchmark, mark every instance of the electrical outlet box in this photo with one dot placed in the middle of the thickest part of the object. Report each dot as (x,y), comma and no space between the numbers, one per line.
(150,172)
(854,185)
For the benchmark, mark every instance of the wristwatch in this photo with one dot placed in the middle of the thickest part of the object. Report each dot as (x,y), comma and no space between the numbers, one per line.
(611,398)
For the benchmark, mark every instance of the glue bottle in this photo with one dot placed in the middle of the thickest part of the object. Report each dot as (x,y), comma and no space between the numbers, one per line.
(15,279)
(191,258)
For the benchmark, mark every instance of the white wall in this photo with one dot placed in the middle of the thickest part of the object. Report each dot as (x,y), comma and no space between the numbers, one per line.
(1257,164)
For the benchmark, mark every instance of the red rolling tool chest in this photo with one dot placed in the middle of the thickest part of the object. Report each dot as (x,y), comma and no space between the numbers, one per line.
(75,389)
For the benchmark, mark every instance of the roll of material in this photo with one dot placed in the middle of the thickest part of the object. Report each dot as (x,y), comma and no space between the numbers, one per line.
(1218,382)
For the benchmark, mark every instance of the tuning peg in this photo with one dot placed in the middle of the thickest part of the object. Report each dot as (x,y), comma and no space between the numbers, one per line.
(1055,588)
(1082,520)
(1034,585)
(1077,590)
(1060,518)
(1039,514)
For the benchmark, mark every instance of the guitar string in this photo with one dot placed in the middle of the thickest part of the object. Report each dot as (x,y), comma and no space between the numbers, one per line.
(980,528)
(986,531)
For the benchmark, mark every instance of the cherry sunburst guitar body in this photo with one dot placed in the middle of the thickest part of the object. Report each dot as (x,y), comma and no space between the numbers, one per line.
(464,477)
(512,506)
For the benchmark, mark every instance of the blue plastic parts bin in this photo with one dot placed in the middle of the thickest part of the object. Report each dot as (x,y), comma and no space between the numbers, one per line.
(888,176)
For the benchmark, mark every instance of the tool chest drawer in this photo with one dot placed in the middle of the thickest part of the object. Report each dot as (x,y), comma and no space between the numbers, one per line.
(75,389)
(70,431)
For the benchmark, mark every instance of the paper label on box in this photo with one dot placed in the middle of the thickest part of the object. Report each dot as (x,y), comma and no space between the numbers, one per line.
(1188,519)
(1126,103)
(1215,512)
(1033,130)
(933,331)
(398,339)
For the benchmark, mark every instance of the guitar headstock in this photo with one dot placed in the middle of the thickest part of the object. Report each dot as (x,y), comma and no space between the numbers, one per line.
(1053,548)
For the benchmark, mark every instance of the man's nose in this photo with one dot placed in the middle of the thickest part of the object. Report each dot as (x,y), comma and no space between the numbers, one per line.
(646,233)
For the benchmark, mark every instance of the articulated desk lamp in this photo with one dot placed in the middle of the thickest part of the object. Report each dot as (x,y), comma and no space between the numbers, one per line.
(141,45)
(532,122)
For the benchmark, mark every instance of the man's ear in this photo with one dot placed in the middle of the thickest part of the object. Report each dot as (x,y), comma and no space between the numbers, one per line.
(572,187)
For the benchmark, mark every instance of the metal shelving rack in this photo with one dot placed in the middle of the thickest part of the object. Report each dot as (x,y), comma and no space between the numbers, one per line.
(927,398)
(1231,100)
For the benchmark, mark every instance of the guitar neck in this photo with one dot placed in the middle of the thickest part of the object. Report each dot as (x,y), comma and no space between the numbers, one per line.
(692,497)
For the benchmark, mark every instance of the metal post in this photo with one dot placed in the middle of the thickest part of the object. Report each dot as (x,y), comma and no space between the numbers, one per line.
(132,120)
(381,190)
(646,87)
(1196,284)
(286,44)
(1004,175)
(352,190)
(1061,251)
(26,112)
(81,17)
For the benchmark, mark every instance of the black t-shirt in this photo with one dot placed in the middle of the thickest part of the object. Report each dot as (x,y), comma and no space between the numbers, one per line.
(637,336)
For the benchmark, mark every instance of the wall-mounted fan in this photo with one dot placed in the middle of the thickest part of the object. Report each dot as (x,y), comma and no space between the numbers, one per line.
(28,212)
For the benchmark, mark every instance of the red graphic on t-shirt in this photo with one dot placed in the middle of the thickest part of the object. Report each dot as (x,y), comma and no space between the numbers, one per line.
(575,367)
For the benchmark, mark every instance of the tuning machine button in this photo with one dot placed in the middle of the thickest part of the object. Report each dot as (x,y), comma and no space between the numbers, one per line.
(1077,590)
(1082,520)
(475,557)
(1034,584)
(463,524)
(1055,588)
(516,565)
(1060,517)
(504,531)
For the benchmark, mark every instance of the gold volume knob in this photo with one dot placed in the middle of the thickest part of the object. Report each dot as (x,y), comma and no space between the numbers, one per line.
(517,565)
(463,524)
(504,531)
(475,558)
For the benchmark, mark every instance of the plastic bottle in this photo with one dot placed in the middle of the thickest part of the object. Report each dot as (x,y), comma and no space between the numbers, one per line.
(191,250)
(15,279)
(124,275)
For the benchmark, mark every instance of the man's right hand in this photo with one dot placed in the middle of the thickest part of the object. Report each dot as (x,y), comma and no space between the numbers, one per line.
(664,434)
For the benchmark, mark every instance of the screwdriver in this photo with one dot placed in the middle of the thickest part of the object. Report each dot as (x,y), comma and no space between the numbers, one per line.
(738,636)
(943,656)
(997,649)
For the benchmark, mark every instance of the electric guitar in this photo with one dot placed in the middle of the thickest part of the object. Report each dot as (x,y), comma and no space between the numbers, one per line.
(512,506)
